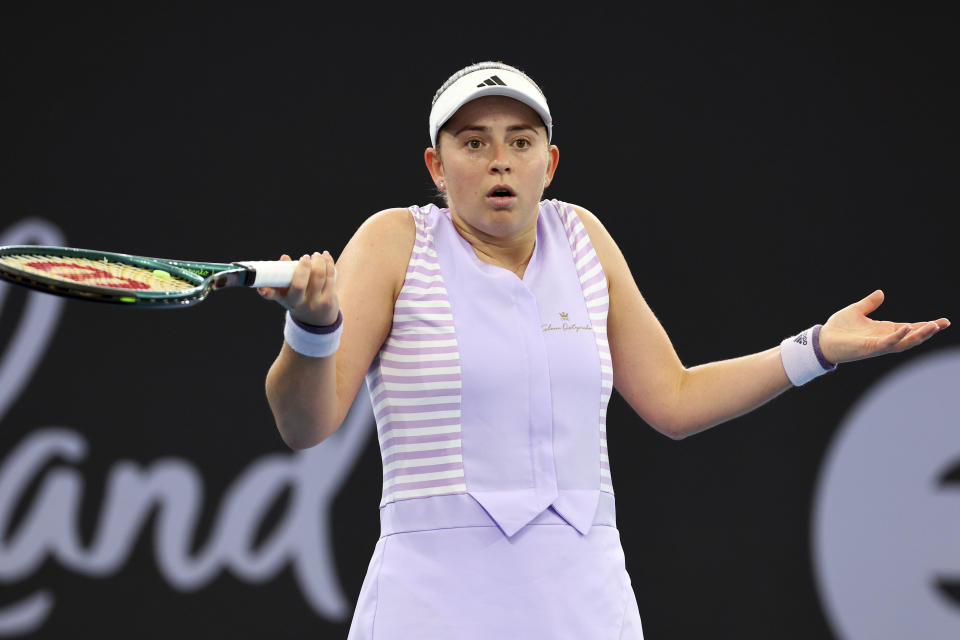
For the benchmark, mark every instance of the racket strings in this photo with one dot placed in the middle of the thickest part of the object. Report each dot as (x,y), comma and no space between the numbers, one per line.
(98,273)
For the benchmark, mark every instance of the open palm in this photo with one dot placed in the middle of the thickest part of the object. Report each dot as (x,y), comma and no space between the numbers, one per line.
(850,335)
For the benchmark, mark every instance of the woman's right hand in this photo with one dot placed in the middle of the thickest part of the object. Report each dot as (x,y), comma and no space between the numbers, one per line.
(311,297)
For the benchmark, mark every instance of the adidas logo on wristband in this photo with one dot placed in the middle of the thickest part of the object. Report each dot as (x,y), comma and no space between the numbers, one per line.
(801,356)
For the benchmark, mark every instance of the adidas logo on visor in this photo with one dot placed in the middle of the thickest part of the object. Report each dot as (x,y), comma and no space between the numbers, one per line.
(492,81)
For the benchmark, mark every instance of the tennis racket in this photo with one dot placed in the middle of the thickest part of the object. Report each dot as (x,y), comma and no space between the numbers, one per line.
(154,283)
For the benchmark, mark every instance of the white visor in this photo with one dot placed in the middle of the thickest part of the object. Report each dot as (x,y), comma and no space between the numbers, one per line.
(488,82)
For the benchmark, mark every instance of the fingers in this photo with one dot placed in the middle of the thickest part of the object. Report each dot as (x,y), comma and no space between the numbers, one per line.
(302,275)
(310,276)
(274,293)
(331,269)
(891,341)
(912,334)
(310,296)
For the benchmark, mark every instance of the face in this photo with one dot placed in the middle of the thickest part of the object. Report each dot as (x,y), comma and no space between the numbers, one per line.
(494,162)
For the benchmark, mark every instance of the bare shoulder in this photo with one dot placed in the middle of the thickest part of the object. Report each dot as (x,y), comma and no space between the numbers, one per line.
(611,258)
(380,249)
(599,236)
(387,230)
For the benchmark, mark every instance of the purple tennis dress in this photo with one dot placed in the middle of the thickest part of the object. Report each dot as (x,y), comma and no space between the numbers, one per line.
(490,395)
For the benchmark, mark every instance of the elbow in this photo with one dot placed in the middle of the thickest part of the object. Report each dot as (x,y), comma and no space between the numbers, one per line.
(671,422)
(675,420)
(302,426)
(301,430)
(664,419)
(681,428)
(662,405)
(675,434)
(300,439)
(298,442)
(300,446)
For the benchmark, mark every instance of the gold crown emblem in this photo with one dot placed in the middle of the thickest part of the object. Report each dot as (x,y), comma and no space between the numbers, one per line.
(564,315)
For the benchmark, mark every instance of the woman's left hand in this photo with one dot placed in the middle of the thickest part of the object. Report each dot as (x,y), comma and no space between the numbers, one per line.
(850,335)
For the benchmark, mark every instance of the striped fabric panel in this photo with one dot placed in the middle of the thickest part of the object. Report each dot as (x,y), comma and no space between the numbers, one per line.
(414,385)
(594,285)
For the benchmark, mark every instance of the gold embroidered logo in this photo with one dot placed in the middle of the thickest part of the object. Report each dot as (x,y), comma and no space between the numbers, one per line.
(566,325)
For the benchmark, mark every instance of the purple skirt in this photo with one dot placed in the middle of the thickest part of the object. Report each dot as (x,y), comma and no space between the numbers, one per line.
(465,579)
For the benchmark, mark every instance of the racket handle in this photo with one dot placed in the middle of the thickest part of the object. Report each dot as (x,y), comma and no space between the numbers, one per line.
(273,273)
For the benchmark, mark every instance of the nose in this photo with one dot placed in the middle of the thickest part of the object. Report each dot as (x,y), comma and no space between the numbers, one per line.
(500,159)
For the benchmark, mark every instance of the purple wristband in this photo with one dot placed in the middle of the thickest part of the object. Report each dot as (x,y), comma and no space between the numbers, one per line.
(826,364)
(802,358)
(311,340)
(312,328)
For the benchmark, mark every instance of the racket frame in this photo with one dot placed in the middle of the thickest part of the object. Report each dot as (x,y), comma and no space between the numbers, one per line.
(205,276)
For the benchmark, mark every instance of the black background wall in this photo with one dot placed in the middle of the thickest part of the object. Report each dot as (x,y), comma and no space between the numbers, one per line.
(760,168)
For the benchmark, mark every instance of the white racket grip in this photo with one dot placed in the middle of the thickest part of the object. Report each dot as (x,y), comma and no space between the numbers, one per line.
(274,273)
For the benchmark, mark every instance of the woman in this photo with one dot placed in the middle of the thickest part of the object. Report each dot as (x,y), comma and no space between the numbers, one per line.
(491,333)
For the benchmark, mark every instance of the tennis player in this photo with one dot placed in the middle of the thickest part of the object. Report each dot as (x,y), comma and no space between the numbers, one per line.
(491,333)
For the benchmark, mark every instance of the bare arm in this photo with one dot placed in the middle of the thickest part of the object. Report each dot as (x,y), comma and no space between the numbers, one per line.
(310,397)
(680,401)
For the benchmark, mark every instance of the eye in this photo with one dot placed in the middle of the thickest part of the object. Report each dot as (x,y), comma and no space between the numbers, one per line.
(474,143)
(521,143)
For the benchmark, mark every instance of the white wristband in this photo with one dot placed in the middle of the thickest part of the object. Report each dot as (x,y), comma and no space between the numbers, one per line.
(316,342)
(802,358)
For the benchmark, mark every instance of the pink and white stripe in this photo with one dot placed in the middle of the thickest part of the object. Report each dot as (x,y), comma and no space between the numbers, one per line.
(595,293)
(414,385)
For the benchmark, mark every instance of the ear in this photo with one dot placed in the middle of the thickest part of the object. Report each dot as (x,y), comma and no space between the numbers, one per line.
(552,163)
(431,158)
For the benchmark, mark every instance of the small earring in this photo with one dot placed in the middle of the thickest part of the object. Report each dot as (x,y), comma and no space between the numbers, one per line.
(441,185)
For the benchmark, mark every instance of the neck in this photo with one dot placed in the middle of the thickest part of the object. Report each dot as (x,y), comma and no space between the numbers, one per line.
(512,252)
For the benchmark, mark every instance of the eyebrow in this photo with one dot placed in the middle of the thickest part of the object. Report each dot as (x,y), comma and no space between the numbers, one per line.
(481,129)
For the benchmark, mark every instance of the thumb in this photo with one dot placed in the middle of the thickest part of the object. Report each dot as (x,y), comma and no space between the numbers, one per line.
(267,293)
(869,304)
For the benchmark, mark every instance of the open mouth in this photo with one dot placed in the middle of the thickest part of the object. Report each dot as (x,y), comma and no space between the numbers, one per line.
(501,192)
